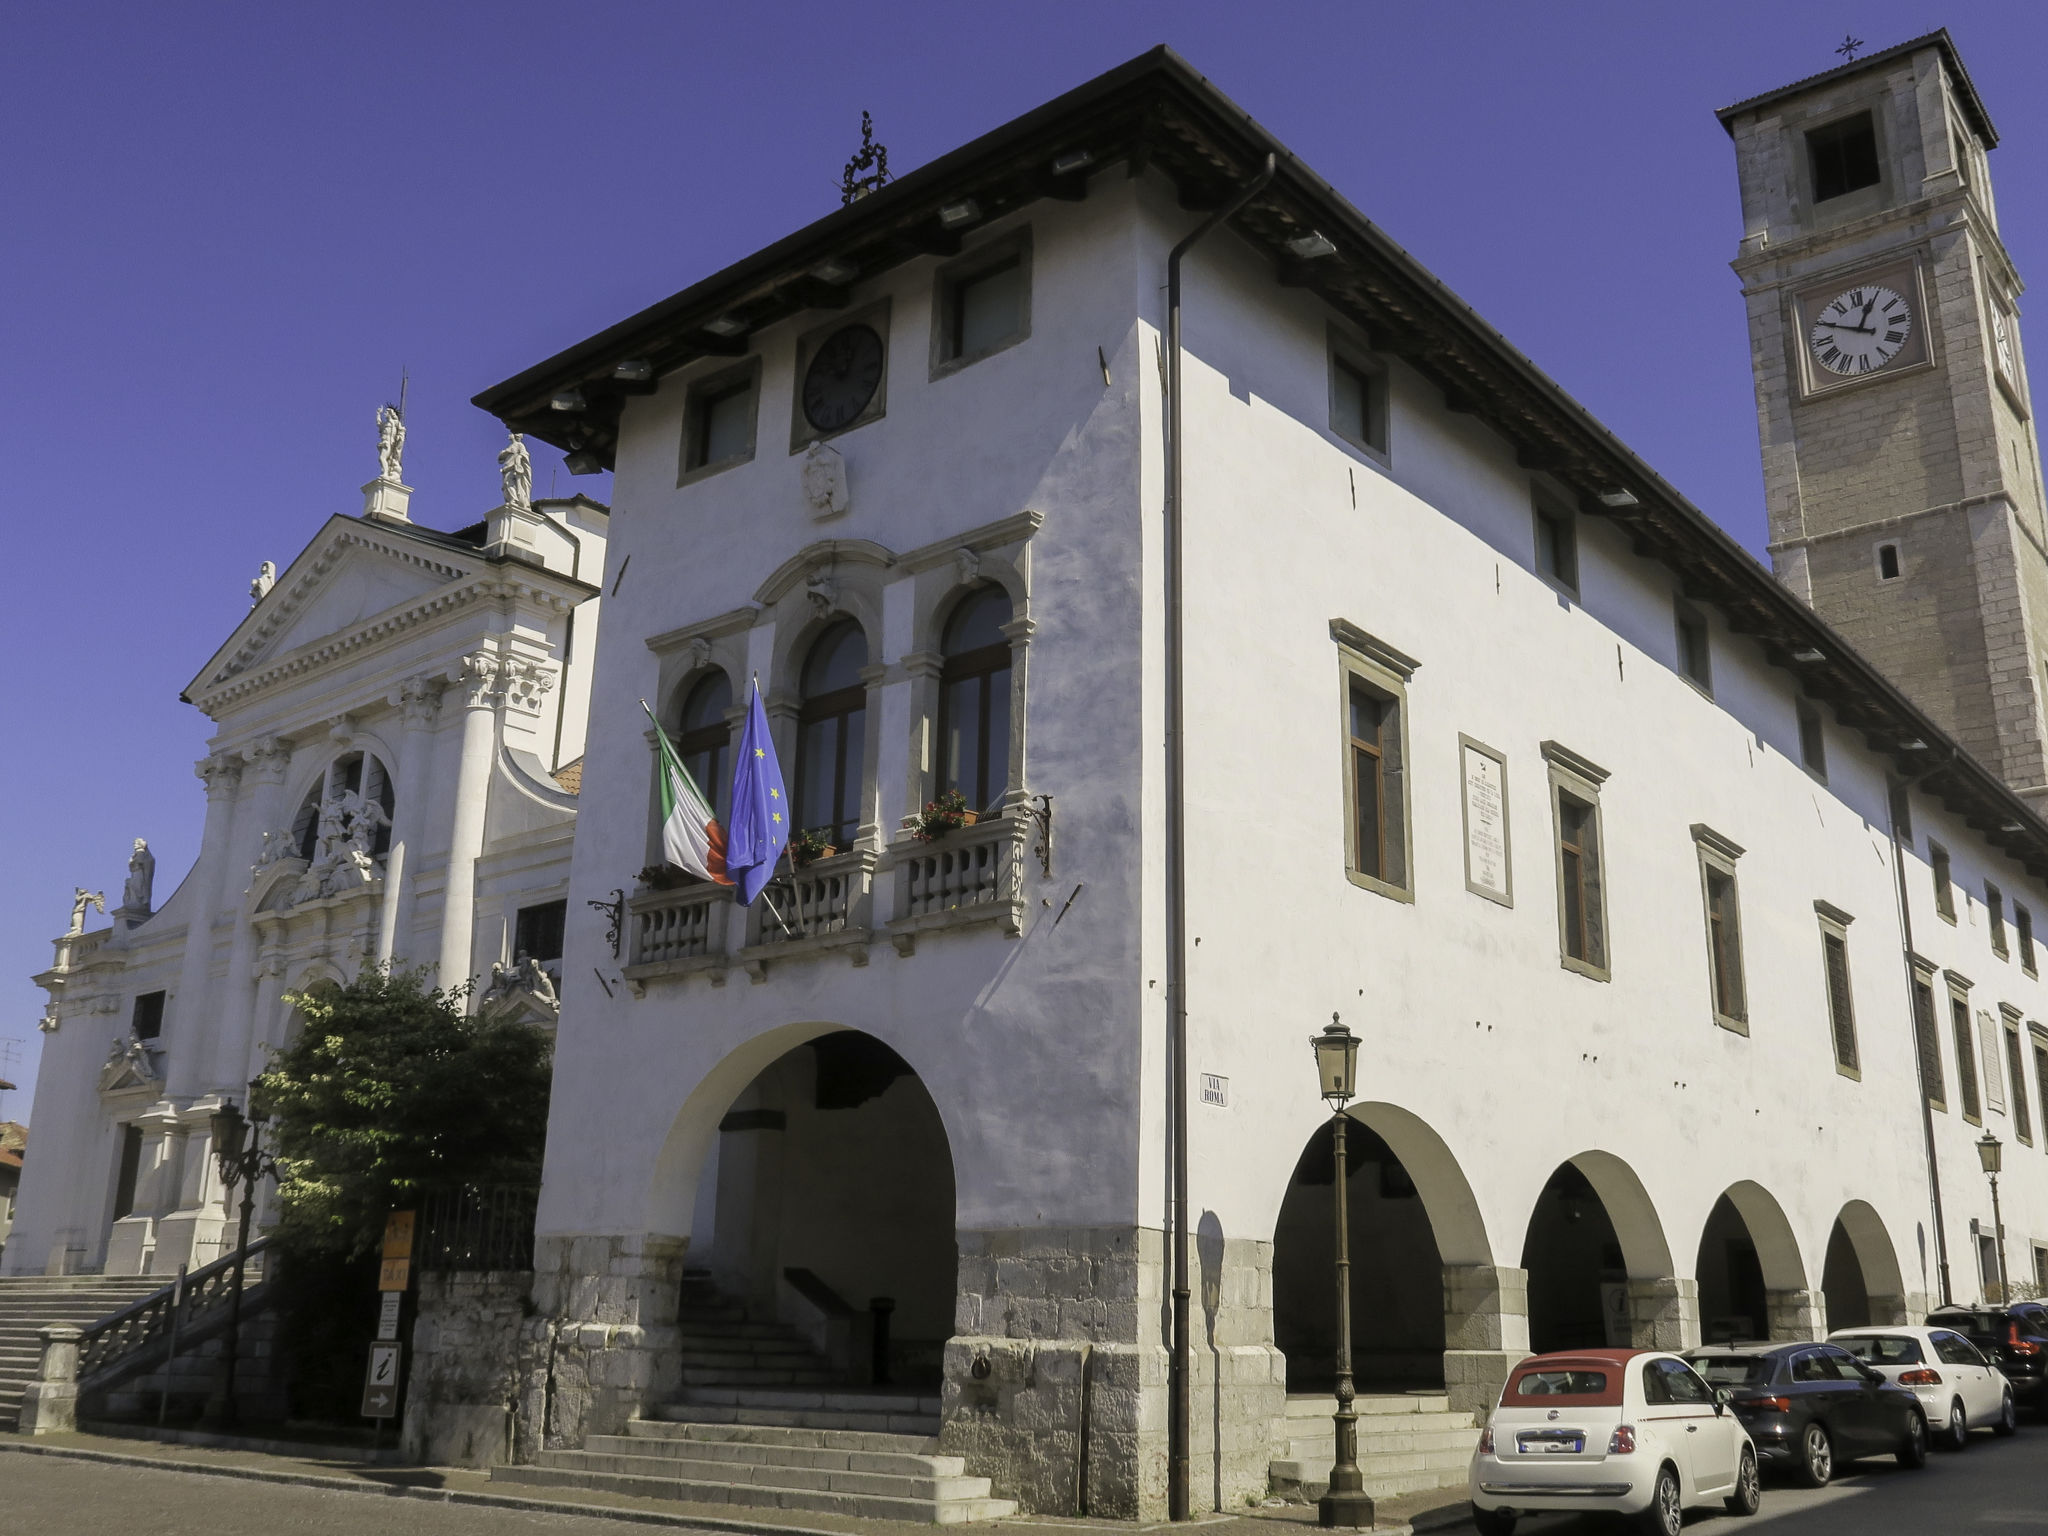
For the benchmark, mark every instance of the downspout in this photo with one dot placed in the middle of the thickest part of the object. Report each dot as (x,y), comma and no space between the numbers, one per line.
(1176,862)
(1913,1015)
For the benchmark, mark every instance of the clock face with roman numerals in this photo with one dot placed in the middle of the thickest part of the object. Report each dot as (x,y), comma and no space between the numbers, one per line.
(1860,330)
(842,378)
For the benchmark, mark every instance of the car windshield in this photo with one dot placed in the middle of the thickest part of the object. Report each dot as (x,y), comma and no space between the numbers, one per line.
(1883,1349)
(1732,1370)
(1561,1384)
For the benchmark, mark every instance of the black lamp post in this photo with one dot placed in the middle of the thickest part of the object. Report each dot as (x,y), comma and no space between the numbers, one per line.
(1991,1153)
(242,1161)
(1346,1503)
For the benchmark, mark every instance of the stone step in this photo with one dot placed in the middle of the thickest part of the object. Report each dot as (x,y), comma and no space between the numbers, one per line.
(739,1378)
(1320,1405)
(870,1422)
(770,1454)
(931,1510)
(710,1351)
(839,1399)
(900,1485)
(790,1436)
(1325,1433)
(1377,1462)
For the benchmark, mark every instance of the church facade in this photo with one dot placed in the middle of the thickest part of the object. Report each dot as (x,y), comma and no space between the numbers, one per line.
(383,784)
(1692,953)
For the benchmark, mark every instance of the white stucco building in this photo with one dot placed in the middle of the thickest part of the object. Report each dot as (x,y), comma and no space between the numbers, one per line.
(1653,901)
(392,722)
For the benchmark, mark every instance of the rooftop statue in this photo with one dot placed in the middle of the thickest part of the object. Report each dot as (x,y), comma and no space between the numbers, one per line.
(390,443)
(515,468)
(135,893)
(266,578)
(81,898)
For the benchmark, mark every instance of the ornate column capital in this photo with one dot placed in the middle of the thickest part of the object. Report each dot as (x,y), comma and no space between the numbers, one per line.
(923,663)
(267,758)
(221,773)
(523,684)
(478,680)
(420,698)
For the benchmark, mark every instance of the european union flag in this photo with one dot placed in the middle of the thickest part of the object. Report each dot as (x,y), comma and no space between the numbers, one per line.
(757,830)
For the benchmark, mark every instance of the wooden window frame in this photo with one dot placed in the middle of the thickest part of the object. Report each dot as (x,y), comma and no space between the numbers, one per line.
(1942,870)
(839,704)
(2023,928)
(698,398)
(1963,1027)
(1927,1035)
(1369,664)
(1813,738)
(1362,362)
(1578,779)
(1550,512)
(1841,1005)
(982,663)
(1994,912)
(951,281)
(1717,858)
(715,739)
(2019,1103)
(1686,618)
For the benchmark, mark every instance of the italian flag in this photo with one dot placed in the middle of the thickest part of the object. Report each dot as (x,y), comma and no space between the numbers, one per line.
(691,838)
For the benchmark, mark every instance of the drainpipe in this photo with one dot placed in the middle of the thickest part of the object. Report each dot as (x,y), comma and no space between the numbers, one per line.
(1913,1013)
(1176,861)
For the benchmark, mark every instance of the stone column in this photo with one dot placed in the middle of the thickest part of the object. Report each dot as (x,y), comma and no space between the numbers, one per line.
(50,1404)
(1486,1331)
(420,698)
(267,758)
(1797,1315)
(1664,1313)
(188,1049)
(1889,1311)
(481,694)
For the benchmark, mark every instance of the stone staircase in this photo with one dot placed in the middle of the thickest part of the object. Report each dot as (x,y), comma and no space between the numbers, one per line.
(1407,1442)
(30,1303)
(762,1421)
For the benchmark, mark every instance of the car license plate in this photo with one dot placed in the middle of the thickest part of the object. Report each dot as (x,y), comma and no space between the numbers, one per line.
(1552,1444)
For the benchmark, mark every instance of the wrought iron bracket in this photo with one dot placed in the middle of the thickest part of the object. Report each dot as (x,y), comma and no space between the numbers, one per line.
(1042,814)
(615,918)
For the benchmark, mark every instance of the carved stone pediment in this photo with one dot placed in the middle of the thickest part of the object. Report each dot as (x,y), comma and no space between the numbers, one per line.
(132,1064)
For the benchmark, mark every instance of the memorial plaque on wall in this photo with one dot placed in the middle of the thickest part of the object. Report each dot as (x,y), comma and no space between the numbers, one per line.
(1485,774)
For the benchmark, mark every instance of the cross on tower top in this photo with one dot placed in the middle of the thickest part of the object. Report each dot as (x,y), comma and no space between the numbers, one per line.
(1850,44)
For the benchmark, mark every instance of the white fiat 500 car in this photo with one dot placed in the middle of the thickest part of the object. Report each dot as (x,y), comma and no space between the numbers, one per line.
(1959,1389)
(1625,1431)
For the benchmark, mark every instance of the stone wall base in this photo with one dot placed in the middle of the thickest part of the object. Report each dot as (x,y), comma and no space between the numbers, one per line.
(601,1344)
(472,1350)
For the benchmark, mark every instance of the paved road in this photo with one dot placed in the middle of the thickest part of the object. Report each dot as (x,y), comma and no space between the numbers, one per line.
(1995,1488)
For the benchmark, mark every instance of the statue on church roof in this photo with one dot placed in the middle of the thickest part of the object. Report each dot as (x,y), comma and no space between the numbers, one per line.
(390,443)
(266,578)
(515,468)
(81,898)
(136,892)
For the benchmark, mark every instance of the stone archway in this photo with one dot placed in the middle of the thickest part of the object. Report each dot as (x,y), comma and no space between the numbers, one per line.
(1752,1279)
(1428,1309)
(1599,1268)
(1860,1277)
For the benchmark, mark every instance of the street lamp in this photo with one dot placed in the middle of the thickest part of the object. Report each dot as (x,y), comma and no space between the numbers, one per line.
(1991,1153)
(1346,1503)
(242,1161)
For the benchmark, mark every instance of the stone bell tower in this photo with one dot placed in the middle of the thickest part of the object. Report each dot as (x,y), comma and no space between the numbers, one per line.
(1901,471)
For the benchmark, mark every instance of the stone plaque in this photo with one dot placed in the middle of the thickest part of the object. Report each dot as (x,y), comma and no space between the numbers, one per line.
(1485,774)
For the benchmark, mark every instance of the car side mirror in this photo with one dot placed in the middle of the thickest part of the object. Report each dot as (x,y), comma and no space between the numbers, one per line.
(1721,1398)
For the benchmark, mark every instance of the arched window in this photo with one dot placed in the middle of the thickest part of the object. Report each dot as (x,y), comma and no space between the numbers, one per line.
(704,739)
(353,773)
(831,731)
(974,699)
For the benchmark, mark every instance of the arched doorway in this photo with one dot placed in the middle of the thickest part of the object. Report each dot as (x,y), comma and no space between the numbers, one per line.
(826,1203)
(1861,1278)
(1752,1281)
(1412,1217)
(1592,1235)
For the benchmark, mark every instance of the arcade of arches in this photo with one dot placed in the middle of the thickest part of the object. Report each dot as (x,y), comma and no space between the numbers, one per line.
(1429,1310)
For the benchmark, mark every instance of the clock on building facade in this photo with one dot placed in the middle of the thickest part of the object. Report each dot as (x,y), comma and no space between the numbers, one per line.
(841,380)
(1860,330)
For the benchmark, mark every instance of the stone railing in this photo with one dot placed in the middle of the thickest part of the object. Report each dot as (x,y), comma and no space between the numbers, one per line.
(971,875)
(672,927)
(826,899)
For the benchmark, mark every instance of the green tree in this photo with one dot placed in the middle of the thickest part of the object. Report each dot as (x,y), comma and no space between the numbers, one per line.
(390,1092)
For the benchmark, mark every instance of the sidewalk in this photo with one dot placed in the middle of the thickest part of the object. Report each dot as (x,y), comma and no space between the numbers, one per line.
(1442,1510)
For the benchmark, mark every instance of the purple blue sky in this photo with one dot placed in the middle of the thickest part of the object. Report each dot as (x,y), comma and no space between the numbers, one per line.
(230,226)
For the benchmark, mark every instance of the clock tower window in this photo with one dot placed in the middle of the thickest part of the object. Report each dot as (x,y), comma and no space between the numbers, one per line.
(1843,156)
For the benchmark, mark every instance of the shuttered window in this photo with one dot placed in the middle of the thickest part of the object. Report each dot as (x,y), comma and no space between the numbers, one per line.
(1966,1059)
(1929,1043)
(2016,1070)
(1841,1011)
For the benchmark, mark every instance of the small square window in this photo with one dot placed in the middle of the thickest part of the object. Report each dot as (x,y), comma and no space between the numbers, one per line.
(1887,562)
(538,932)
(1695,652)
(1944,886)
(981,304)
(1994,904)
(1813,741)
(1557,545)
(1358,399)
(1843,156)
(719,415)
(147,1022)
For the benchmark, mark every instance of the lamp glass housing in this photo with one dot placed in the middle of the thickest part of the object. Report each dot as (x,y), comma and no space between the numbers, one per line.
(1991,1153)
(1336,1051)
(226,1126)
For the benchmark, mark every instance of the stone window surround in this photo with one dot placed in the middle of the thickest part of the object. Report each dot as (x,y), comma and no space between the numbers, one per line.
(1349,348)
(1897,547)
(1834,924)
(1941,871)
(1959,992)
(1717,855)
(847,578)
(948,278)
(1874,97)
(746,373)
(1925,974)
(2013,1031)
(874,315)
(1582,779)
(1386,671)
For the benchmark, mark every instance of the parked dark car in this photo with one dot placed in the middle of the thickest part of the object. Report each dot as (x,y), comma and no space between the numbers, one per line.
(1811,1407)
(2016,1339)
